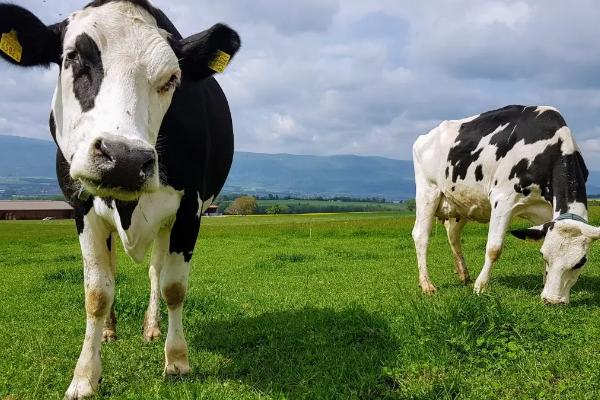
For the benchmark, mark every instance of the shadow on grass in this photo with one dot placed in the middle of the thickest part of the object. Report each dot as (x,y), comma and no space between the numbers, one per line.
(532,283)
(308,353)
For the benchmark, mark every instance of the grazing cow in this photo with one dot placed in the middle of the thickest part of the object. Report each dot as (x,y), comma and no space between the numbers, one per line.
(145,143)
(515,161)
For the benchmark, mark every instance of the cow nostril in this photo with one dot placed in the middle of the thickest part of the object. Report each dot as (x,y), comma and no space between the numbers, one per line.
(148,167)
(100,150)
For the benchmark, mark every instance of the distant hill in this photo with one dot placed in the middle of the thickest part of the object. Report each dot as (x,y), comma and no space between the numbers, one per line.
(23,157)
(353,176)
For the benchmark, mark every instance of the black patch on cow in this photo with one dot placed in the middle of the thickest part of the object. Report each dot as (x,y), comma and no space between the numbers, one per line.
(533,234)
(187,225)
(560,177)
(88,70)
(496,204)
(82,204)
(581,263)
(108,201)
(496,182)
(453,188)
(521,123)
(109,242)
(479,173)
(52,124)
(447,172)
(125,210)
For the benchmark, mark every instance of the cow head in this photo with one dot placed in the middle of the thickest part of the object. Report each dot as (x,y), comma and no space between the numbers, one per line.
(119,69)
(565,248)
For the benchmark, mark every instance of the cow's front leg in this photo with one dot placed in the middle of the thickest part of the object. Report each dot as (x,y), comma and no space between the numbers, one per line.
(151,329)
(109,332)
(498,224)
(174,281)
(99,293)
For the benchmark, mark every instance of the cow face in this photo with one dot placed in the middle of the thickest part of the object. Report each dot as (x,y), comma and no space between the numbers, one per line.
(565,248)
(118,74)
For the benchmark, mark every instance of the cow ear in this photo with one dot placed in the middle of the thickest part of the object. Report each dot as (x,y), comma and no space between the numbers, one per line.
(533,233)
(206,53)
(25,40)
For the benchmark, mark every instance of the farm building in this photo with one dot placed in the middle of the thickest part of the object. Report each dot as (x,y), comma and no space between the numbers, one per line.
(213,211)
(35,210)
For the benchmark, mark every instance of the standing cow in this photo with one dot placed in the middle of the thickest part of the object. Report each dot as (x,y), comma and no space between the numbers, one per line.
(145,143)
(515,161)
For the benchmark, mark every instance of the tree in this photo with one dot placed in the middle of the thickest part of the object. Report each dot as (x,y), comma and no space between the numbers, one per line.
(410,205)
(277,209)
(244,205)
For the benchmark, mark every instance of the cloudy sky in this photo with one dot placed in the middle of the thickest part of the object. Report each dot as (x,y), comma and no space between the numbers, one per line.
(367,77)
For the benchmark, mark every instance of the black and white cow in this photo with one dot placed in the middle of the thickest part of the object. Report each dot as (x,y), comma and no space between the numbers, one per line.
(515,161)
(145,143)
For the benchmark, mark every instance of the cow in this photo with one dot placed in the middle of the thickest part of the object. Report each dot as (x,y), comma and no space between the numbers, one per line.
(515,161)
(144,144)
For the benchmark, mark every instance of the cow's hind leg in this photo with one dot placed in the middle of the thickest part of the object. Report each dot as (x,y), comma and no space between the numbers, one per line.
(99,294)
(109,332)
(454,229)
(151,329)
(499,222)
(174,281)
(427,200)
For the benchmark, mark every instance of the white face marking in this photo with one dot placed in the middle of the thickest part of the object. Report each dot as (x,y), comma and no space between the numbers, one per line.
(140,72)
(565,245)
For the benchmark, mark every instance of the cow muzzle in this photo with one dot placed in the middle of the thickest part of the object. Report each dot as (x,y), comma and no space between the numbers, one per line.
(123,168)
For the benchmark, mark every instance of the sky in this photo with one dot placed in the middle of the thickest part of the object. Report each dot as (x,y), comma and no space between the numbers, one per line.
(367,77)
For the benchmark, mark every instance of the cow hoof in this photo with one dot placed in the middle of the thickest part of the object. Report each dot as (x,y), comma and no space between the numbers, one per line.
(480,288)
(428,288)
(109,335)
(177,368)
(466,279)
(80,388)
(151,333)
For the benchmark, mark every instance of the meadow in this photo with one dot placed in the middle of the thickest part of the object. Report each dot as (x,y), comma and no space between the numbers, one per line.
(306,307)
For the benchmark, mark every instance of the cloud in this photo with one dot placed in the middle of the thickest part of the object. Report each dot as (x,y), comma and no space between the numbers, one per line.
(332,76)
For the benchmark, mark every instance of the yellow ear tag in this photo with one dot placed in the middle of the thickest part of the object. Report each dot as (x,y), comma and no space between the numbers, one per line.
(220,62)
(10,45)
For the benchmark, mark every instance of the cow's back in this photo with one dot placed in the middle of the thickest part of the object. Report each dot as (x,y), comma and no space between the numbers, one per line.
(495,154)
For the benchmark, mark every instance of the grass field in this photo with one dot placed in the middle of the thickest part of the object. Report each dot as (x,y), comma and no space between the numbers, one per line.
(306,307)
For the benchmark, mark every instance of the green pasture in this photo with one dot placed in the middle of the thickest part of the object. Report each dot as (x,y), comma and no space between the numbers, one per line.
(306,307)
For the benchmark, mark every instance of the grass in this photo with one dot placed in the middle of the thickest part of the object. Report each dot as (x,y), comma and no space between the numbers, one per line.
(306,307)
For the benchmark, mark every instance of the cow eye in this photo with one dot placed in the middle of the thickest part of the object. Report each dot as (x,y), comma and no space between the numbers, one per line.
(72,56)
(171,84)
(581,263)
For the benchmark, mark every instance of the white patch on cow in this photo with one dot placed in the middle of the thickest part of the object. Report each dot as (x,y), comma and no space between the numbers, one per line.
(207,203)
(541,109)
(138,61)
(153,212)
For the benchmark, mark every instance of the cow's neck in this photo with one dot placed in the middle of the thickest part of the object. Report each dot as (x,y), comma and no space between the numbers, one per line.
(568,184)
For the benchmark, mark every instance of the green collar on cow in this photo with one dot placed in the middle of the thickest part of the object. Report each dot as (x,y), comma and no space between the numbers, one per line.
(571,216)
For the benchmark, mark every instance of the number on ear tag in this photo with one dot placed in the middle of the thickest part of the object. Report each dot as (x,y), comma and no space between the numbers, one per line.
(9,44)
(220,62)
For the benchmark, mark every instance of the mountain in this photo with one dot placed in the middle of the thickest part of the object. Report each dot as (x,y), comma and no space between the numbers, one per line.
(322,175)
(354,176)
(22,157)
